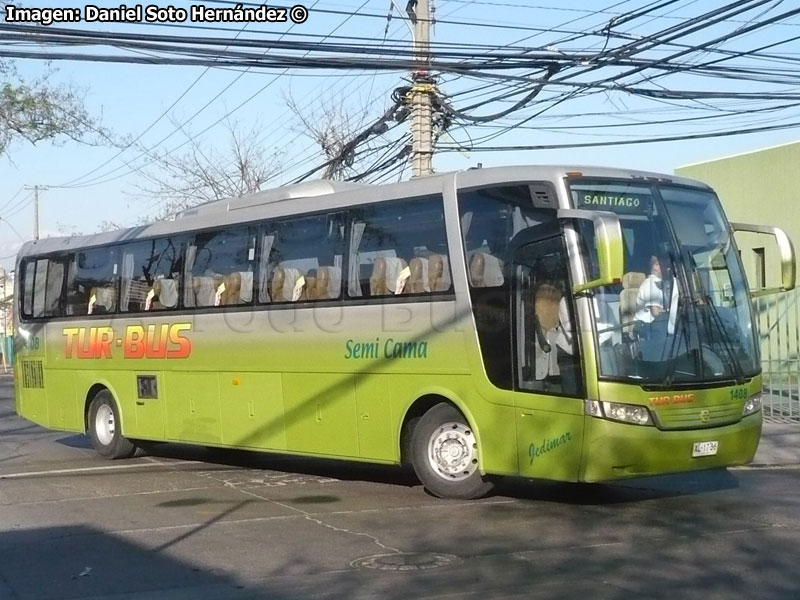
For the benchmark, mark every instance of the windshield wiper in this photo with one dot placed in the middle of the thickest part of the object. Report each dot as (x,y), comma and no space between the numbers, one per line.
(682,316)
(712,314)
(735,367)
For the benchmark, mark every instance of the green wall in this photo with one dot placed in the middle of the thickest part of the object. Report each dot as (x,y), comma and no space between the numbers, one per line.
(761,187)
(758,187)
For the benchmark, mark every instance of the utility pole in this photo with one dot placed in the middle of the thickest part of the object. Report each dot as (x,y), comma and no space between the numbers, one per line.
(3,276)
(36,189)
(422,92)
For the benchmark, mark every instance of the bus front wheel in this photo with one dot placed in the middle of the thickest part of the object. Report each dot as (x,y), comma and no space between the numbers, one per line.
(104,428)
(444,453)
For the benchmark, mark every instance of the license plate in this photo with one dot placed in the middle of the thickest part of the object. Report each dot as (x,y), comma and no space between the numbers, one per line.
(704,449)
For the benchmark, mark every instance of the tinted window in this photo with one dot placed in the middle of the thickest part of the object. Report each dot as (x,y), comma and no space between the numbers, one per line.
(53,288)
(221,266)
(399,248)
(27,289)
(547,358)
(39,287)
(151,275)
(490,218)
(92,282)
(42,285)
(302,259)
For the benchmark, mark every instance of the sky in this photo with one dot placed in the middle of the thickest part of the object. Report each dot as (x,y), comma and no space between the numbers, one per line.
(131,100)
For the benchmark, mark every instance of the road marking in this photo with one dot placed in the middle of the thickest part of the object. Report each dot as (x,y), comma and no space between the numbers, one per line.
(91,469)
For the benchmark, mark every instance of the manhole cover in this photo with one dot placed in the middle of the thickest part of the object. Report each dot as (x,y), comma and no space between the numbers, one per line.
(406,561)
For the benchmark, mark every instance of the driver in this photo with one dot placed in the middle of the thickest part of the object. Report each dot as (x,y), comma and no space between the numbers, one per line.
(651,301)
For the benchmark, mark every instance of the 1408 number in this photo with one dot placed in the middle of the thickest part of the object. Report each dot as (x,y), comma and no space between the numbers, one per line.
(739,393)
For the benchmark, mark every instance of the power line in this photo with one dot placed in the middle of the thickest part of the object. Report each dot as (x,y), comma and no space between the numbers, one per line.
(152,124)
(8,202)
(217,122)
(653,140)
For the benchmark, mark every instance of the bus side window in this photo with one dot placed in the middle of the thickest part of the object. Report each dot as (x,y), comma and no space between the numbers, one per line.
(151,275)
(54,288)
(92,282)
(221,265)
(43,282)
(398,248)
(29,270)
(302,259)
(490,218)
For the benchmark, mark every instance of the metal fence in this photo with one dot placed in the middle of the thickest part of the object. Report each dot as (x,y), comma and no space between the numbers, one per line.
(779,327)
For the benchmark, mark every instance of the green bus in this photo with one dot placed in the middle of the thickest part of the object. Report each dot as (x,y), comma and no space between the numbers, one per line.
(572,324)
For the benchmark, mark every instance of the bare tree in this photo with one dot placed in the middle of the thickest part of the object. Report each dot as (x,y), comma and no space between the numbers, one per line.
(338,130)
(204,174)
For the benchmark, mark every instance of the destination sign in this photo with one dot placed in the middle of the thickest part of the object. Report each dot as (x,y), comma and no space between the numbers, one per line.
(618,202)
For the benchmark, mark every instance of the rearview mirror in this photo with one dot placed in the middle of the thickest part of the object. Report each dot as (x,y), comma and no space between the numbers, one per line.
(786,251)
(608,241)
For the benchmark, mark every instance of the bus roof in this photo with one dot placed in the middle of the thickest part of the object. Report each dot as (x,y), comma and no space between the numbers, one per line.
(325,195)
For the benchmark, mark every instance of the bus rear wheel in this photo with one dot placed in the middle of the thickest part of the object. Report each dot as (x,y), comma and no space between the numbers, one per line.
(104,428)
(444,453)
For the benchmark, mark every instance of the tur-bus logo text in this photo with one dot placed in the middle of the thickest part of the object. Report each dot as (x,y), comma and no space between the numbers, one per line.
(138,341)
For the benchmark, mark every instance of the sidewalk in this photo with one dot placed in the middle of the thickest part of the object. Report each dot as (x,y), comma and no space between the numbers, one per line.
(780,445)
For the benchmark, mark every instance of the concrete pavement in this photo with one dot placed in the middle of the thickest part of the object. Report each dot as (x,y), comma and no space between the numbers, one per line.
(780,445)
(186,522)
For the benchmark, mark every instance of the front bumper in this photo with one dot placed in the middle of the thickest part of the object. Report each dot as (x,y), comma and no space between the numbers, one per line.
(614,450)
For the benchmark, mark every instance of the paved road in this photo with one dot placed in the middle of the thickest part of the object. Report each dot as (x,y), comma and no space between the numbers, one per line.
(185,523)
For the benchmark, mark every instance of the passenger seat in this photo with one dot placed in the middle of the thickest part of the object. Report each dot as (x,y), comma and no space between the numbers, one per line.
(418,282)
(389,276)
(485,270)
(288,285)
(238,288)
(439,273)
(102,300)
(165,294)
(631,282)
(204,291)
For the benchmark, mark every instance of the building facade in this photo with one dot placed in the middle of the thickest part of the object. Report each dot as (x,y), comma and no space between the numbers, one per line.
(761,187)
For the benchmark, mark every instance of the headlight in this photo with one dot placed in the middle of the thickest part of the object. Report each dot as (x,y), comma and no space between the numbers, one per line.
(625,413)
(753,405)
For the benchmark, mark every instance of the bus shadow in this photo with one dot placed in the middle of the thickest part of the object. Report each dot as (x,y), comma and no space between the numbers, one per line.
(619,492)
(282,463)
(75,441)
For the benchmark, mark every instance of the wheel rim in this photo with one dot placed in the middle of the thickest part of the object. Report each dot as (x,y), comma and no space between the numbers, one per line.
(453,451)
(104,425)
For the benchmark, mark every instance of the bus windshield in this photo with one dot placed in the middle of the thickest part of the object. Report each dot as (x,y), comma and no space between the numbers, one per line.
(682,311)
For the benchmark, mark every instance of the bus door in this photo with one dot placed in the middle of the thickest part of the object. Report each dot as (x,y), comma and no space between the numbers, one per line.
(547,368)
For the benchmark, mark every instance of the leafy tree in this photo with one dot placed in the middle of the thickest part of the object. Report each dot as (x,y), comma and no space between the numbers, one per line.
(40,109)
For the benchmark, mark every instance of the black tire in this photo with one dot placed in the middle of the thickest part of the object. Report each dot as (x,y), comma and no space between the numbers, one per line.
(106,432)
(441,427)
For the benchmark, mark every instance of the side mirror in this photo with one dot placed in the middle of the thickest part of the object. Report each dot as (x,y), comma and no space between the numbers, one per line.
(786,251)
(610,250)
